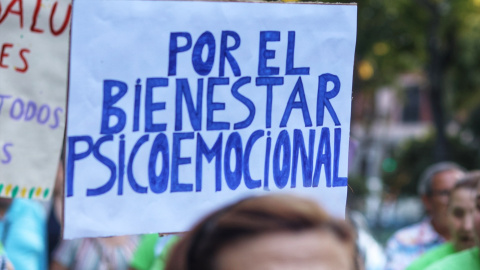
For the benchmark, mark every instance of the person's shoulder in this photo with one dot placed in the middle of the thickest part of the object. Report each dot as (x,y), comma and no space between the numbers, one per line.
(465,260)
(441,251)
(25,207)
(431,256)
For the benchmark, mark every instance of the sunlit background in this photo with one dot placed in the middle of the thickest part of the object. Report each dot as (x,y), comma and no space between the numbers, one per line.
(416,100)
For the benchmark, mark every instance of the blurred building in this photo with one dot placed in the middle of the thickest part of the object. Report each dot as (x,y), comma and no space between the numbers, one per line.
(381,121)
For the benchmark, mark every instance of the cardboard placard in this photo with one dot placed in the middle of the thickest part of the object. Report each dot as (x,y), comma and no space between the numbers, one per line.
(33,85)
(178,108)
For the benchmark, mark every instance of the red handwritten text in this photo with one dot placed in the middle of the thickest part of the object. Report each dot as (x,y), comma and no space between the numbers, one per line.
(15,8)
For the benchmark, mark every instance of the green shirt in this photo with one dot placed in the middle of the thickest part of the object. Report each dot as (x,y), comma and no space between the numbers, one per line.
(432,256)
(466,260)
(161,260)
(144,256)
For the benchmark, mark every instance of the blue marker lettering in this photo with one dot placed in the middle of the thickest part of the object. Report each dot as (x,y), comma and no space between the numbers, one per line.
(108,110)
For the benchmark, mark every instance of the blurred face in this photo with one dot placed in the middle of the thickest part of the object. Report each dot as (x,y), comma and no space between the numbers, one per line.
(460,216)
(315,249)
(437,203)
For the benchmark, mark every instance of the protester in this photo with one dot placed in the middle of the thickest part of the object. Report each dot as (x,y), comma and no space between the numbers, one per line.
(160,260)
(468,259)
(434,188)
(22,232)
(152,251)
(268,232)
(461,207)
(144,255)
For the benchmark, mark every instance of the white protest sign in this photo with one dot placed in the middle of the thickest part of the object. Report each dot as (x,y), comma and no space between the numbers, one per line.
(33,86)
(178,108)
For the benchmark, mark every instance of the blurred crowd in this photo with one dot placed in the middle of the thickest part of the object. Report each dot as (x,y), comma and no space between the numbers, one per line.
(265,232)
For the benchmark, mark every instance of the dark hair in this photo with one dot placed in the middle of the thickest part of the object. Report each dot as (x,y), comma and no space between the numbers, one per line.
(251,217)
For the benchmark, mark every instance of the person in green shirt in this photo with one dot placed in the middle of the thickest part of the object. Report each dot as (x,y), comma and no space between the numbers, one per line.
(460,212)
(432,256)
(161,260)
(468,259)
(152,252)
(145,254)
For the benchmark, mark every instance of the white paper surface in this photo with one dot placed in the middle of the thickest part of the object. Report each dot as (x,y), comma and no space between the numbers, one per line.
(33,84)
(123,48)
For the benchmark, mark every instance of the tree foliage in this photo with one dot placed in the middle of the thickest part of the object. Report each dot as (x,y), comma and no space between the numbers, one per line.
(437,38)
(414,156)
(398,36)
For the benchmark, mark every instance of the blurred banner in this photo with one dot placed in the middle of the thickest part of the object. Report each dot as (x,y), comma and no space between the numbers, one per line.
(33,85)
(178,108)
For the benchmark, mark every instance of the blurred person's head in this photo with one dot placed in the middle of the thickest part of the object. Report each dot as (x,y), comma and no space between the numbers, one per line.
(435,185)
(461,207)
(268,232)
